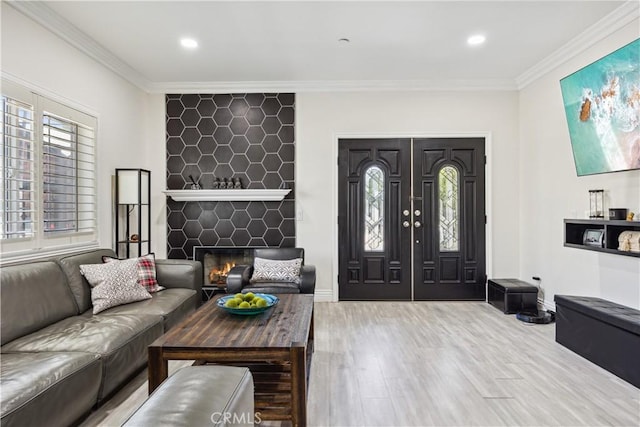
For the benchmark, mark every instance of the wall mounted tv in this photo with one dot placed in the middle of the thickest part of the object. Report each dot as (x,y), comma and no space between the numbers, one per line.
(602,106)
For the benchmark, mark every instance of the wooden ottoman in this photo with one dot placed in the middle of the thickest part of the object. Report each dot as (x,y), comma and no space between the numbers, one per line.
(512,295)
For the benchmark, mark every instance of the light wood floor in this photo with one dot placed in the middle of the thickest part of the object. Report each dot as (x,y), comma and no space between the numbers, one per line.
(442,364)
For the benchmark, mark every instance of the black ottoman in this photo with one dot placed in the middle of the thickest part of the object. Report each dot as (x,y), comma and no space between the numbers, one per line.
(512,295)
(606,333)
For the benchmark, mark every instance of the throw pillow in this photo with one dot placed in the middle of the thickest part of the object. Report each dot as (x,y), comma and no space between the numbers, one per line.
(272,270)
(113,283)
(146,266)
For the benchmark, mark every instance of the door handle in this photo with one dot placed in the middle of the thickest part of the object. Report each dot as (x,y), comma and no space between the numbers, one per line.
(417,224)
(406,224)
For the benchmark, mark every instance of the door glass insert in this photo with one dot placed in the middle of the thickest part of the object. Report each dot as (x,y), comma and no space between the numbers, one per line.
(448,197)
(374,209)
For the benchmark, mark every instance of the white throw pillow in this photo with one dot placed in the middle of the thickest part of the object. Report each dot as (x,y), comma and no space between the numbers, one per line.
(272,270)
(114,283)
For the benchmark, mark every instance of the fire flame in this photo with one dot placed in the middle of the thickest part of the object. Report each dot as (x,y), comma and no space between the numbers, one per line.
(219,274)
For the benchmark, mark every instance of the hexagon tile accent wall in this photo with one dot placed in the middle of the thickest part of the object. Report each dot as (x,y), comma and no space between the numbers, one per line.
(248,136)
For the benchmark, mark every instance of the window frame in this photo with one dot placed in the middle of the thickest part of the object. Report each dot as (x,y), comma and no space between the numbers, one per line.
(45,244)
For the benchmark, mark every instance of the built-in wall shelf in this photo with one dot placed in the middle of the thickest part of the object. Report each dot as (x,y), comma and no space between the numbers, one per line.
(233,195)
(574,230)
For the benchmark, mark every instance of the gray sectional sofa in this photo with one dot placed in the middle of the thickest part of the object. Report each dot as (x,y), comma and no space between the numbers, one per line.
(58,360)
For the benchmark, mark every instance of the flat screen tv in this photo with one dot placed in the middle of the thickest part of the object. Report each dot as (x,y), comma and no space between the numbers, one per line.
(602,106)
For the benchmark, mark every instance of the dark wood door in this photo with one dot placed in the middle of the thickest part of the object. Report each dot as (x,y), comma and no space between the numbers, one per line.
(373,191)
(449,235)
(381,224)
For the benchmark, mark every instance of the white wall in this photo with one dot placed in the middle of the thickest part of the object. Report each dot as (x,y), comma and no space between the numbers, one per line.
(156,152)
(40,59)
(322,117)
(551,191)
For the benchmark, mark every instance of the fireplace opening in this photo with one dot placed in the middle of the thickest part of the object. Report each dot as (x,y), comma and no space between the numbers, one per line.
(218,261)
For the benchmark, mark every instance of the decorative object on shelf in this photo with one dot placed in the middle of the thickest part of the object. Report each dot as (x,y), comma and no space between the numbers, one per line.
(617,213)
(630,216)
(194,183)
(596,203)
(593,237)
(600,113)
(226,183)
(629,241)
(132,212)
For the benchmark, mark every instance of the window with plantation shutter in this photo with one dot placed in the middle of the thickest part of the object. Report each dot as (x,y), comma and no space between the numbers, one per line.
(48,183)
(18,168)
(67,176)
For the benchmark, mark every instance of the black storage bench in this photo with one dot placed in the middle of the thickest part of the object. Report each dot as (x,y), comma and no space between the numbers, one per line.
(606,333)
(512,295)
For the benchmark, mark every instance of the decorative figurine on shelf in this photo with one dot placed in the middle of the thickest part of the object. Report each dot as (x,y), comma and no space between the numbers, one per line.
(630,216)
(223,184)
(134,238)
(216,183)
(237,184)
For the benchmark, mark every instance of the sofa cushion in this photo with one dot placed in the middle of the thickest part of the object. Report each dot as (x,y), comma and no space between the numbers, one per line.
(37,386)
(80,288)
(172,304)
(271,270)
(146,266)
(34,295)
(120,339)
(113,283)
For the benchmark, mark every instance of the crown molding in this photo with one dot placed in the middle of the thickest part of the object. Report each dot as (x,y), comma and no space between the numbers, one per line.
(52,21)
(606,26)
(332,86)
(49,19)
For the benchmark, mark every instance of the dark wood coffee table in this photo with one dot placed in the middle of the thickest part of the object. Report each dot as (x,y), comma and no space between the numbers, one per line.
(275,345)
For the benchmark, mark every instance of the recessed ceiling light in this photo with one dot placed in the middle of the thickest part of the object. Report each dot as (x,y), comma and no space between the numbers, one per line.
(344,40)
(188,43)
(476,39)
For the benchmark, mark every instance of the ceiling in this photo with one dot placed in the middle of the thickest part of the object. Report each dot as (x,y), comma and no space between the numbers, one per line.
(294,44)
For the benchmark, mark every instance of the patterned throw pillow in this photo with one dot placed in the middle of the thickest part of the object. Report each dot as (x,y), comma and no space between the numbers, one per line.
(113,283)
(271,270)
(146,266)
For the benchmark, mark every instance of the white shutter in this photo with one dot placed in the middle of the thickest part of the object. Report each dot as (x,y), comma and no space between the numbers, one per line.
(17,177)
(68,183)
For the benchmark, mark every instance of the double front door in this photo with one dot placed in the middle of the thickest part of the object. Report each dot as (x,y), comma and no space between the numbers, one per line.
(411,219)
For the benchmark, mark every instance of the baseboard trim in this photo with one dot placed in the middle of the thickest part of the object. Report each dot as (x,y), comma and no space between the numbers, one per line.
(323,295)
(547,305)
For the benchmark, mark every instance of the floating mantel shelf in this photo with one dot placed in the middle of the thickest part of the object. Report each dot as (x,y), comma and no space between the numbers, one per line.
(227,195)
